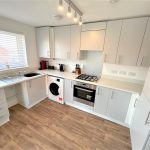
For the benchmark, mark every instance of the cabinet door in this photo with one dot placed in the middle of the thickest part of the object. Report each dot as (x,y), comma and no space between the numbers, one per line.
(92,40)
(68,96)
(75,42)
(112,40)
(130,41)
(36,89)
(62,42)
(139,126)
(101,100)
(118,105)
(43,41)
(144,56)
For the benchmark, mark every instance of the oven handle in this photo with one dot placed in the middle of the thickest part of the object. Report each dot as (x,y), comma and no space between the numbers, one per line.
(83,89)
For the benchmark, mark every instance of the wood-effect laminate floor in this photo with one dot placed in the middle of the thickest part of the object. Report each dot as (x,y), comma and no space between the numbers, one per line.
(52,126)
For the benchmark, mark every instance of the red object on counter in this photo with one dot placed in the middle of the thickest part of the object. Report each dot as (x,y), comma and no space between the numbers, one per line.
(43,64)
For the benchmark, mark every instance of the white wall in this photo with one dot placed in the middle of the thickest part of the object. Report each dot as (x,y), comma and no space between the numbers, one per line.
(29,32)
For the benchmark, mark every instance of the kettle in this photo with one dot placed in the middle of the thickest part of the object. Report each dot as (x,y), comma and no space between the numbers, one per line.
(61,67)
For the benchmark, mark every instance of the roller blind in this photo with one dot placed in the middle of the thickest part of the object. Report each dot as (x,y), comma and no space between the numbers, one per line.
(12,51)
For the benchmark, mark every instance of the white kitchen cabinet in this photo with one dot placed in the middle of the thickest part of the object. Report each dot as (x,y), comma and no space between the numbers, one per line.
(75,42)
(32,91)
(68,92)
(92,40)
(43,35)
(94,26)
(4,112)
(118,105)
(62,42)
(130,40)
(101,100)
(140,125)
(112,40)
(144,56)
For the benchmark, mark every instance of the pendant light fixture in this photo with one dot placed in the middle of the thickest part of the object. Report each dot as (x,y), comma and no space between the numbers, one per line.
(71,8)
(69,11)
(60,6)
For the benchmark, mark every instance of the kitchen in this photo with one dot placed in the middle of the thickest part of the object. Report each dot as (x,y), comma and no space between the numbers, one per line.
(74,81)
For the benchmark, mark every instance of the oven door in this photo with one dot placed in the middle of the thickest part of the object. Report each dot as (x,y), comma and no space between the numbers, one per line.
(84,95)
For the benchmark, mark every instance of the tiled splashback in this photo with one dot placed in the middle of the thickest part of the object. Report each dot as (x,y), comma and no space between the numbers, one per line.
(91,63)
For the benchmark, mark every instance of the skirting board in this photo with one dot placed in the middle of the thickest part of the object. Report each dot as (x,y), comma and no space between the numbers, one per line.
(96,114)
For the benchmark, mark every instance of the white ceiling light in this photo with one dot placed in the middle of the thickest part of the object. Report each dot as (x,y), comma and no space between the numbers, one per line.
(80,21)
(75,19)
(69,11)
(71,6)
(60,6)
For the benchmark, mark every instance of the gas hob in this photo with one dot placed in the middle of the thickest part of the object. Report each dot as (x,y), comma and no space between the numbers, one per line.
(87,77)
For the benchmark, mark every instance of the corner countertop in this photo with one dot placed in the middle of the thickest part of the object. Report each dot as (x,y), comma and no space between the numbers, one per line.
(131,87)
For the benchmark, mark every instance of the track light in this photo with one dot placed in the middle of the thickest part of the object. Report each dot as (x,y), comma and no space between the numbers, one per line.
(80,21)
(75,19)
(60,6)
(71,8)
(69,11)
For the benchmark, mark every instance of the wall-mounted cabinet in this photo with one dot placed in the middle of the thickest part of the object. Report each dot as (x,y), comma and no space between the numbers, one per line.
(112,40)
(62,42)
(43,36)
(75,42)
(92,40)
(144,56)
(132,34)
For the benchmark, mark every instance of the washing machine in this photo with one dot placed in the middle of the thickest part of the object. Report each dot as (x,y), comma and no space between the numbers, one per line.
(55,89)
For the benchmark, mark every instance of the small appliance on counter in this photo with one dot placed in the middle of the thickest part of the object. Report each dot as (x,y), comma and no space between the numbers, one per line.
(43,65)
(62,67)
(77,69)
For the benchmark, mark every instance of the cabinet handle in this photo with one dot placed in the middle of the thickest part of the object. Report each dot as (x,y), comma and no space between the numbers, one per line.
(112,94)
(147,122)
(71,84)
(142,60)
(118,62)
(105,58)
(135,102)
(77,55)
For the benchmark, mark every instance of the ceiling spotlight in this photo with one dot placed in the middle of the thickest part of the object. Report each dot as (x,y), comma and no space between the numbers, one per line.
(69,11)
(75,19)
(60,6)
(80,21)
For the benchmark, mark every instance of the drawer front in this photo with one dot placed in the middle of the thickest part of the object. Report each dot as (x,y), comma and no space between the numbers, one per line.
(3,109)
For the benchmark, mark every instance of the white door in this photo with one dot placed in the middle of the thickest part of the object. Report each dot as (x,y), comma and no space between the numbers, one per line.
(43,41)
(101,100)
(68,92)
(112,40)
(75,42)
(92,40)
(144,56)
(62,42)
(140,124)
(118,105)
(130,41)
(36,89)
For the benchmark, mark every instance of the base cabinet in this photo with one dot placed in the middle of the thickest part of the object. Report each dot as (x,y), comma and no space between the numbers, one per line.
(140,125)
(113,104)
(68,92)
(32,92)
(4,112)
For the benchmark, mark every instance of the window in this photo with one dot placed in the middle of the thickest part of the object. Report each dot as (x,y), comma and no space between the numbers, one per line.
(12,51)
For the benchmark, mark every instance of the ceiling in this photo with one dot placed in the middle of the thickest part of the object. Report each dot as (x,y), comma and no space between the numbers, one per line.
(39,12)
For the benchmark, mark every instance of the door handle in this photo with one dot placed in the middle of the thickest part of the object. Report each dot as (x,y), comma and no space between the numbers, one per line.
(147,122)
(135,102)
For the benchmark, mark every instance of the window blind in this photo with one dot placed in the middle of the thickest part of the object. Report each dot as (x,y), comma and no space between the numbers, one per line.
(12,51)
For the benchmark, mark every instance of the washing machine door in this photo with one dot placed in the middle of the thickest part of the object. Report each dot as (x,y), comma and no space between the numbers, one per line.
(54,89)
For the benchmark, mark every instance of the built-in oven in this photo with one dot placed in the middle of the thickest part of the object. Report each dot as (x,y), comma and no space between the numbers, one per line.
(84,93)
